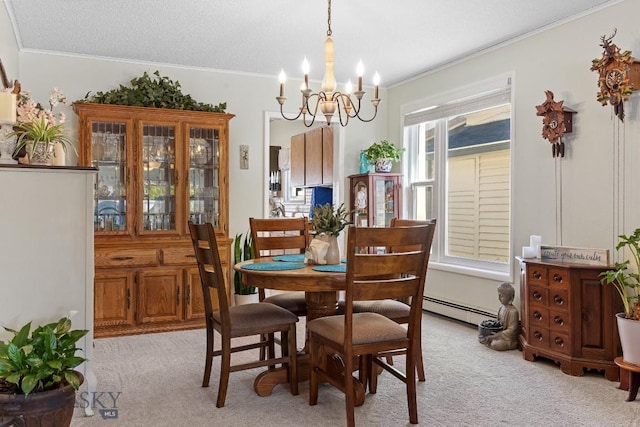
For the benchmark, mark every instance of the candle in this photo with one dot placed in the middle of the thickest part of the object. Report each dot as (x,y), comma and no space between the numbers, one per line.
(283,79)
(528,252)
(7,107)
(305,70)
(360,72)
(376,82)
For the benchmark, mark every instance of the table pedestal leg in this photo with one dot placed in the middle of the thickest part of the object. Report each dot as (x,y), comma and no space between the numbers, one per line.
(319,304)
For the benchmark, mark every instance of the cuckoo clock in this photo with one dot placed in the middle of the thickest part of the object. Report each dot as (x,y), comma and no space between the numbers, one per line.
(619,75)
(556,121)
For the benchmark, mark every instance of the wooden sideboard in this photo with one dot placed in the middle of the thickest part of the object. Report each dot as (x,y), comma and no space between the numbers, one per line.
(569,317)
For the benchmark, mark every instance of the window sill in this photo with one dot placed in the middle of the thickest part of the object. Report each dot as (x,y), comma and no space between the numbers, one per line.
(471,271)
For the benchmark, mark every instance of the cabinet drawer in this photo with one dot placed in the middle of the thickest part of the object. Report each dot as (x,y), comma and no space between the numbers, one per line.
(126,258)
(559,342)
(558,299)
(178,256)
(559,321)
(538,295)
(539,337)
(537,274)
(538,318)
(559,277)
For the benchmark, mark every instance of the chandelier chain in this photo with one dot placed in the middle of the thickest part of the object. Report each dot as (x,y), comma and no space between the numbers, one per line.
(329,19)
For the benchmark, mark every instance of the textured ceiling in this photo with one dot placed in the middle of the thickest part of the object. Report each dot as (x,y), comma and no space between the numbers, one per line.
(399,39)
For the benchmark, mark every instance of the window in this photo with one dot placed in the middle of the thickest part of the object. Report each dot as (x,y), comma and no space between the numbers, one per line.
(459,170)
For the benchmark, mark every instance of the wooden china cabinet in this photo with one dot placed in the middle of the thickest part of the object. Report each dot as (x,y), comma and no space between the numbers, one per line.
(157,169)
(375,198)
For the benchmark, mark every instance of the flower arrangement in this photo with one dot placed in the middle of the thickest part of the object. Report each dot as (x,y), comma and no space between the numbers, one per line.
(38,124)
(328,221)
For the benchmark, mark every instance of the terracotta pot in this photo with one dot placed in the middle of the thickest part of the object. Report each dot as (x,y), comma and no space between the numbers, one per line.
(629,331)
(52,408)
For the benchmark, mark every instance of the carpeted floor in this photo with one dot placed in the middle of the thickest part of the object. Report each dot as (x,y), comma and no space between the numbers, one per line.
(158,377)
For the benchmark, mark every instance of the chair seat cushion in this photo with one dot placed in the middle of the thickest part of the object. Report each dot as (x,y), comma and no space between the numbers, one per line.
(368,328)
(389,308)
(246,319)
(292,301)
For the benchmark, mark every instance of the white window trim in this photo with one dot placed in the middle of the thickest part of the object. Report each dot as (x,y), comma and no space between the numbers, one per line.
(439,261)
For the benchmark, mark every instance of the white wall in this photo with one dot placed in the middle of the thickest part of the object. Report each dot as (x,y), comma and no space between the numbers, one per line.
(558,60)
(8,45)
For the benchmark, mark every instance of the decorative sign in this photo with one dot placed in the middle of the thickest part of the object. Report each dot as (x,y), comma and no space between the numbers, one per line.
(588,256)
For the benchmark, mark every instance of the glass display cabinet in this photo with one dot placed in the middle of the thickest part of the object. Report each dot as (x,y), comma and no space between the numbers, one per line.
(375,198)
(157,169)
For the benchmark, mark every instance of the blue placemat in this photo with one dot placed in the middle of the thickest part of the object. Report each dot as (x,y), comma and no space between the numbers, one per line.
(274,266)
(333,268)
(290,258)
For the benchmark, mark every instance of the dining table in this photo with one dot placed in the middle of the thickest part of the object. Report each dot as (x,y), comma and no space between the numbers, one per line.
(321,285)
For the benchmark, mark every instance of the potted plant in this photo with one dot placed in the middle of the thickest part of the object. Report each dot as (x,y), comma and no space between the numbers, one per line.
(37,380)
(242,251)
(383,154)
(625,278)
(40,130)
(327,223)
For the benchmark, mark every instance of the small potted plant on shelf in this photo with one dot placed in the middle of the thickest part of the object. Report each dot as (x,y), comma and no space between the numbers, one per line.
(383,154)
(327,223)
(624,277)
(242,251)
(37,380)
(40,130)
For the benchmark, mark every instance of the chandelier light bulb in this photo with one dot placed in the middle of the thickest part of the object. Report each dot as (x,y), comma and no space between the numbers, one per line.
(282,77)
(360,69)
(376,79)
(348,88)
(305,66)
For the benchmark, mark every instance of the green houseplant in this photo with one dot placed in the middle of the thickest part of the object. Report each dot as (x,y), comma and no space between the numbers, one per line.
(158,92)
(36,373)
(329,221)
(383,154)
(242,251)
(626,281)
(625,278)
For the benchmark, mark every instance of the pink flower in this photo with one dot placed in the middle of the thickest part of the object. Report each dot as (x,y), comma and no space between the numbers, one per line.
(28,110)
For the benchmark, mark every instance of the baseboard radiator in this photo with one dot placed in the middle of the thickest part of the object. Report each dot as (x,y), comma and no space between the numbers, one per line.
(463,313)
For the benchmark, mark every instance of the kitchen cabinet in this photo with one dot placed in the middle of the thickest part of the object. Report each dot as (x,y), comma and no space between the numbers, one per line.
(569,317)
(312,158)
(157,169)
(375,198)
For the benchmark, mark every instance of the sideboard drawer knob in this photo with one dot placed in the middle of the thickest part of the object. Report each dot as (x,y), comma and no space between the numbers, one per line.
(537,275)
(537,315)
(537,295)
(559,342)
(558,300)
(558,320)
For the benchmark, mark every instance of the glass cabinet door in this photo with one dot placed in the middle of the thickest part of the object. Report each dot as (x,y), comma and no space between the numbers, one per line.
(204,174)
(158,153)
(383,205)
(109,155)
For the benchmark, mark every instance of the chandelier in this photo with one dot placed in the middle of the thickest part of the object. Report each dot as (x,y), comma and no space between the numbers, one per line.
(328,100)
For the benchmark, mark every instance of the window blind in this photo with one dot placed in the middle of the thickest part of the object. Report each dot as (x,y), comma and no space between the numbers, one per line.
(460,106)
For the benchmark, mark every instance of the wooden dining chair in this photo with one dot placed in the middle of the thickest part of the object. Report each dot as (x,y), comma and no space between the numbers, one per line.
(281,236)
(364,336)
(395,309)
(259,319)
